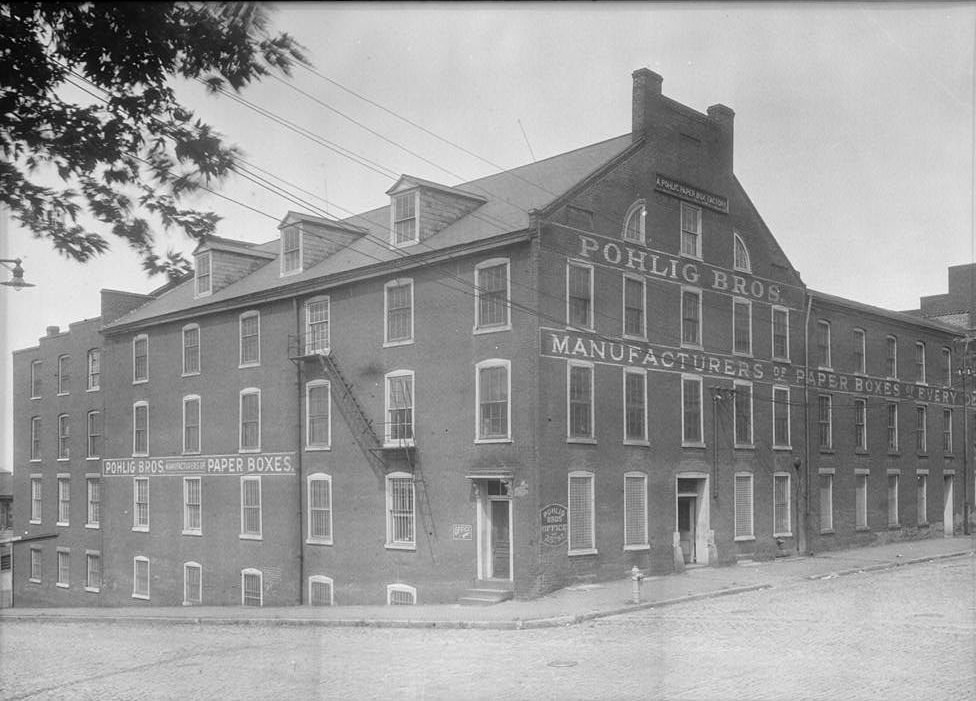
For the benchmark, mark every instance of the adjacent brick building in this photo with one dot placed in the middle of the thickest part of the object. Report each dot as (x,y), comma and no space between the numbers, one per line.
(600,360)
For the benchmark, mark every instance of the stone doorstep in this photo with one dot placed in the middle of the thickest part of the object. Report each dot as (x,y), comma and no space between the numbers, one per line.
(479,596)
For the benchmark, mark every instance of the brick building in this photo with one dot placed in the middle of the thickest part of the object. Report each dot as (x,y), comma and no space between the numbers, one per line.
(600,360)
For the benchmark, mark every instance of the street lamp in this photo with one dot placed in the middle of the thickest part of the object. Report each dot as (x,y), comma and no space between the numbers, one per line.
(18,279)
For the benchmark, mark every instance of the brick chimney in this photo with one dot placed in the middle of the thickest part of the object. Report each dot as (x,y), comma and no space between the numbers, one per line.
(647,93)
(723,117)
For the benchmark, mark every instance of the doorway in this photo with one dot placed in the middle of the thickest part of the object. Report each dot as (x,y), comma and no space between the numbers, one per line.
(687,516)
(692,518)
(948,515)
(494,530)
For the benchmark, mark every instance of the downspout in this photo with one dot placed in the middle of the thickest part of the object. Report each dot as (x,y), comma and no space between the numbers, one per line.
(802,544)
(298,457)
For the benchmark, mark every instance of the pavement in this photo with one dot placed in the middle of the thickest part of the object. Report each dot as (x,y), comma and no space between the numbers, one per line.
(568,606)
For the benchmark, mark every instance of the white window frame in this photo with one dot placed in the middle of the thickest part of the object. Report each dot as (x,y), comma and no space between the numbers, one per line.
(388,439)
(827,445)
(312,538)
(947,367)
(249,391)
(744,524)
(188,600)
(922,497)
(480,325)
(36,385)
(825,351)
(685,442)
(189,529)
(64,500)
(697,233)
(400,543)
(93,369)
(187,450)
(697,343)
(242,361)
(137,523)
(642,439)
(64,437)
(828,475)
(252,572)
(311,347)
(36,498)
(737,386)
(321,579)
(36,564)
(318,445)
(187,372)
(737,243)
(739,303)
(64,375)
(399,588)
(772,332)
(589,437)
(779,476)
(582,549)
(947,442)
(891,357)
(259,533)
(861,477)
(779,406)
(136,340)
(135,430)
(591,308)
(35,438)
(640,280)
(893,498)
(860,427)
(91,555)
(637,210)
(93,510)
(415,238)
(894,444)
(93,444)
(203,281)
(860,349)
(920,362)
(922,431)
(63,569)
(644,543)
(481,437)
(284,269)
(407,340)
(136,592)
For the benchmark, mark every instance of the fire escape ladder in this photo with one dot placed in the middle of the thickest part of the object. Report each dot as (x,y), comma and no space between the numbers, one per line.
(360,425)
(423,500)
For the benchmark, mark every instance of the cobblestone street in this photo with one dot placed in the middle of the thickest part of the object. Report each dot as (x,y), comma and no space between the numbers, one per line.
(905,633)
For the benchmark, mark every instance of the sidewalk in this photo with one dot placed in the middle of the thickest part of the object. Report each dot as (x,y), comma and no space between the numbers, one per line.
(567,606)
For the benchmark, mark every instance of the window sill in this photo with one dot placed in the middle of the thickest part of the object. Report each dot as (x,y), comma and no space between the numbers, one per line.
(93,526)
(692,346)
(33,581)
(479,330)
(588,551)
(922,455)
(63,459)
(196,533)
(317,448)
(35,397)
(251,536)
(783,447)
(62,585)
(637,548)
(742,354)
(693,256)
(244,366)
(949,456)
(637,442)
(190,374)
(140,455)
(34,460)
(861,451)
(862,529)
(776,359)
(579,328)
(141,529)
(249,450)
(62,524)
(190,452)
(93,590)
(34,522)
(401,546)
(483,441)
(93,457)
(144,597)
(394,344)
(690,444)
(744,538)
(582,441)
(140,382)
(827,531)
(744,446)
(825,368)
(404,244)
(406,443)
(93,389)
(318,541)
(826,451)
(787,534)
(635,337)
(62,394)
(894,454)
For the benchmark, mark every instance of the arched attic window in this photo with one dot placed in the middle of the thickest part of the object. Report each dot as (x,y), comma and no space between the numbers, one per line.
(634,222)
(741,260)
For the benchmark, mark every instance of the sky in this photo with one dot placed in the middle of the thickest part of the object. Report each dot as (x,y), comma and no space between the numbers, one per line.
(854,129)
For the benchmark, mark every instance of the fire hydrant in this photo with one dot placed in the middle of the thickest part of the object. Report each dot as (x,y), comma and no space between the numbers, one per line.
(636,577)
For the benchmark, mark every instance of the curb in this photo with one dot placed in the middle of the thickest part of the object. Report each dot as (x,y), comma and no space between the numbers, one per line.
(888,565)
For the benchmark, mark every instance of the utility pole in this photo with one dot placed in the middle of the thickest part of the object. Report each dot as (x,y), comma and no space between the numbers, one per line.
(965,371)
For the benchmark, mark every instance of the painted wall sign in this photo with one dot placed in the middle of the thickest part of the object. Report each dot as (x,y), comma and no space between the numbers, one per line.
(554,525)
(692,194)
(462,531)
(235,464)
(580,345)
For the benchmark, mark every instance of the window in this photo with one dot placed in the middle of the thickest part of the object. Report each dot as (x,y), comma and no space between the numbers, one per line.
(743,414)
(140,577)
(690,230)
(192,583)
(861,500)
(64,500)
(317,325)
(859,352)
(946,367)
(191,349)
(192,506)
(921,428)
(823,343)
(634,314)
(64,433)
(892,427)
(318,414)
(494,400)
(691,317)
(634,222)
(399,408)
(922,498)
(491,279)
(740,259)
(64,375)
(93,571)
(250,412)
(400,517)
(202,275)
(191,424)
(140,429)
(781,333)
(405,218)
(35,379)
(140,358)
(398,299)
(893,480)
(635,511)
(250,325)
(140,504)
(252,587)
(782,524)
(920,363)
(635,406)
(579,295)
(891,358)
(291,249)
(93,487)
(691,410)
(825,421)
(64,567)
(320,591)
(860,424)
(36,562)
(580,401)
(742,327)
(35,499)
(251,507)
(743,507)
(826,502)
(320,509)
(401,595)
(94,369)
(582,539)
(781,417)
(947,431)
(94,434)
(35,438)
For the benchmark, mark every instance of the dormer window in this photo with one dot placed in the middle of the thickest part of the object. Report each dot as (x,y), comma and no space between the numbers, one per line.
(203,275)
(291,250)
(634,222)
(405,229)
(741,255)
